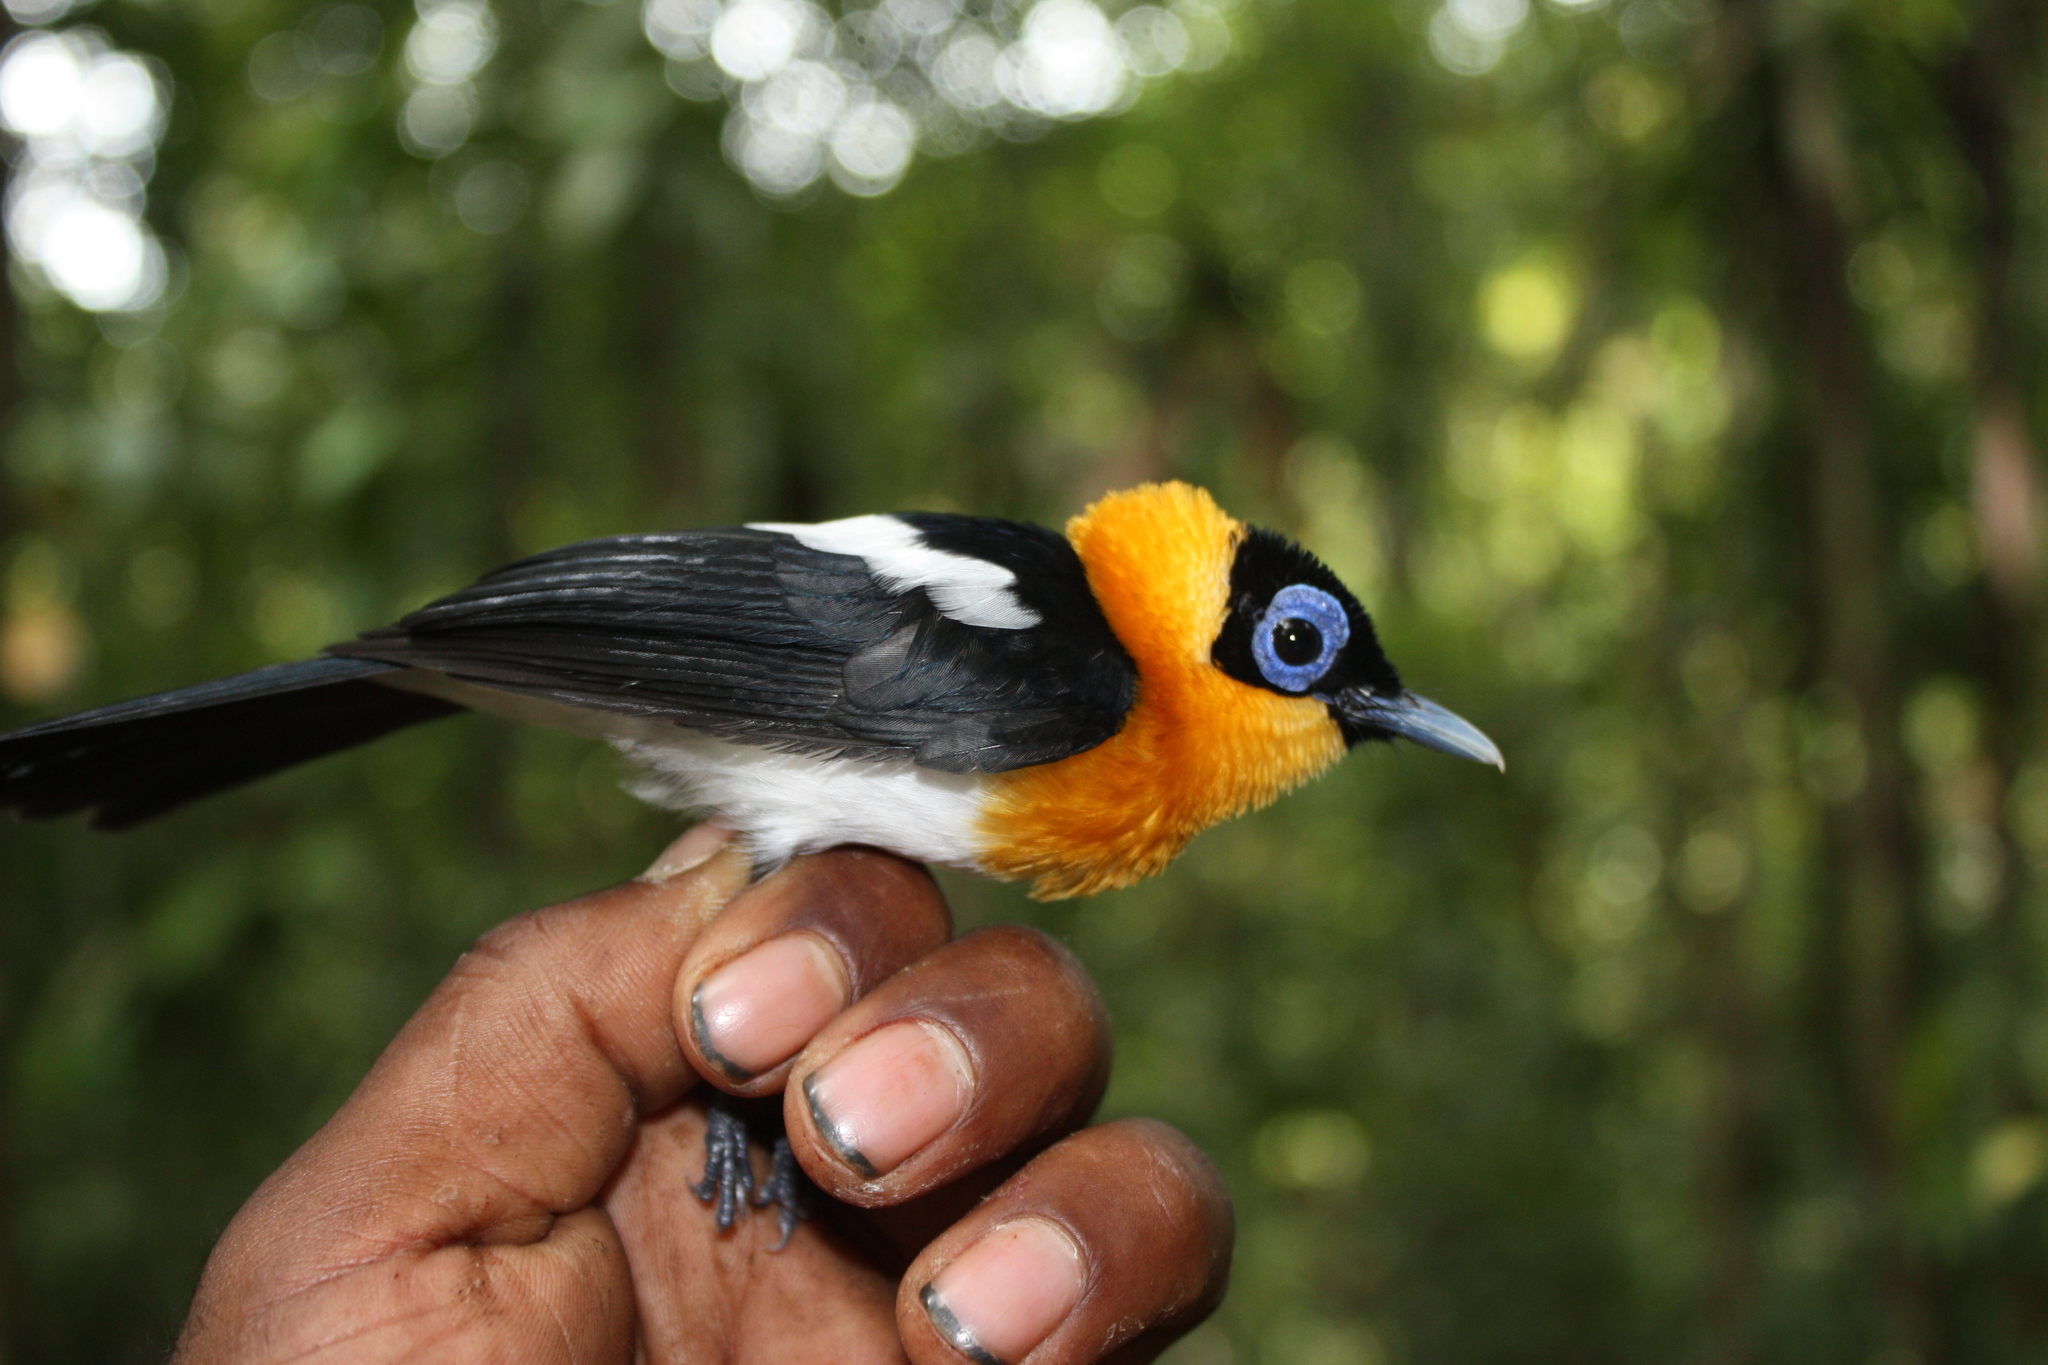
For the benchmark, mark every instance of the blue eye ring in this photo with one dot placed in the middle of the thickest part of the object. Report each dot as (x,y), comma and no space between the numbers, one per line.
(1280,627)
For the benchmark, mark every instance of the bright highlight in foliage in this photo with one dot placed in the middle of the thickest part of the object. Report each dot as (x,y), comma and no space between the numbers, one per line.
(1526,310)
(853,97)
(450,44)
(89,118)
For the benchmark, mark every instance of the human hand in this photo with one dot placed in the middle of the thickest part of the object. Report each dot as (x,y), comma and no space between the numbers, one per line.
(511,1180)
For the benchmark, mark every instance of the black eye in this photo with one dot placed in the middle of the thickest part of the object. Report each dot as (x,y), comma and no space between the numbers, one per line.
(1296,642)
(1297,637)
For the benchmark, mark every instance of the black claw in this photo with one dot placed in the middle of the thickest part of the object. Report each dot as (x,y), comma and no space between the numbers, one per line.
(729,1175)
(785,1189)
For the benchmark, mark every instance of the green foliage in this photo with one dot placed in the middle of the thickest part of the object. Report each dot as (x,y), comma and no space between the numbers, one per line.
(1667,389)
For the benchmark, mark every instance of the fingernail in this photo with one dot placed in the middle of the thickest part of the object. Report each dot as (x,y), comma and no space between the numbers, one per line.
(758,1010)
(997,1300)
(889,1094)
(696,848)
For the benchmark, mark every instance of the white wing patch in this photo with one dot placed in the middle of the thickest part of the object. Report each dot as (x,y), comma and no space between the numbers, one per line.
(972,591)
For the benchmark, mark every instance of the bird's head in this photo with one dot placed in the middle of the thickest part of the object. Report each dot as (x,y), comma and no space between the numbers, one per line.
(1291,627)
(1256,670)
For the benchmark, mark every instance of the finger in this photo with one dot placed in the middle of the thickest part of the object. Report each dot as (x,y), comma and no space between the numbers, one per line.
(1111,1244)
(793,951)
(505,1102)
(995,1042)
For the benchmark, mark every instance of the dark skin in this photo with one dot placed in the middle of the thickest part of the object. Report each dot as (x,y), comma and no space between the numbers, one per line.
(511,1180)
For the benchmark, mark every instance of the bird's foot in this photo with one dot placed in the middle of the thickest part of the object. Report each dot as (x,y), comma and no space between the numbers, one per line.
(728,1183)
(728,1172)
(785,1188)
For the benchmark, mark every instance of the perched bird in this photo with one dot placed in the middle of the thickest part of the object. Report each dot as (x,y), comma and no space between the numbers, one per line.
(962,690)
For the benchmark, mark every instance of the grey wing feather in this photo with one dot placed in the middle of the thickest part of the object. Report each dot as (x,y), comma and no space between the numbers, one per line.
(748,635)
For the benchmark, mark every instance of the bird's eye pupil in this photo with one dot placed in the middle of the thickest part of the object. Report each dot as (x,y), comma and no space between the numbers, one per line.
(1297,642)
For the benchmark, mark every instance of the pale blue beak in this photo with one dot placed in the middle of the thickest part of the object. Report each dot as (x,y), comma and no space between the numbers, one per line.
(1423,721)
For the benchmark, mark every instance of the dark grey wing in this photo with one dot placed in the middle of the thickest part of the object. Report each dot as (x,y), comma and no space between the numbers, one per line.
(975,699)
(749,635)
(697,627)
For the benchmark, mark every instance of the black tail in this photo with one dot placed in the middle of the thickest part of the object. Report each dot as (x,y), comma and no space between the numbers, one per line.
(138,759)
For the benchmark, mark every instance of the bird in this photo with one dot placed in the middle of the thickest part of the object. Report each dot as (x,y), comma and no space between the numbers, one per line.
(1068,710)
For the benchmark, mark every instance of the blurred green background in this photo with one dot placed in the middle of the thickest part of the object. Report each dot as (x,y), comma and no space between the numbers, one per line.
(1664,374)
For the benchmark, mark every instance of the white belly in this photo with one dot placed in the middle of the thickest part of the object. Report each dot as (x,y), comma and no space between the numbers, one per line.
(788,804)
(784,804)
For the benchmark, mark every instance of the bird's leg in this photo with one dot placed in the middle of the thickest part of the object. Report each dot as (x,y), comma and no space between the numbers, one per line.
(728,1182)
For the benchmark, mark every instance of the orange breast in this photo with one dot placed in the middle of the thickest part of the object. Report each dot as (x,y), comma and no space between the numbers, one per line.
(1198,746)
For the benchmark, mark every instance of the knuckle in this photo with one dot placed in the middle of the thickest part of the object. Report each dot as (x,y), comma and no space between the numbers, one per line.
(1014,982)
(1039,960)
(873,872)
(881,911)
(1173,1179)
(502,945)
(541,930)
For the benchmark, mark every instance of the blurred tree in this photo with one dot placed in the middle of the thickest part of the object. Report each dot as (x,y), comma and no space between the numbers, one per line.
(1664,373)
